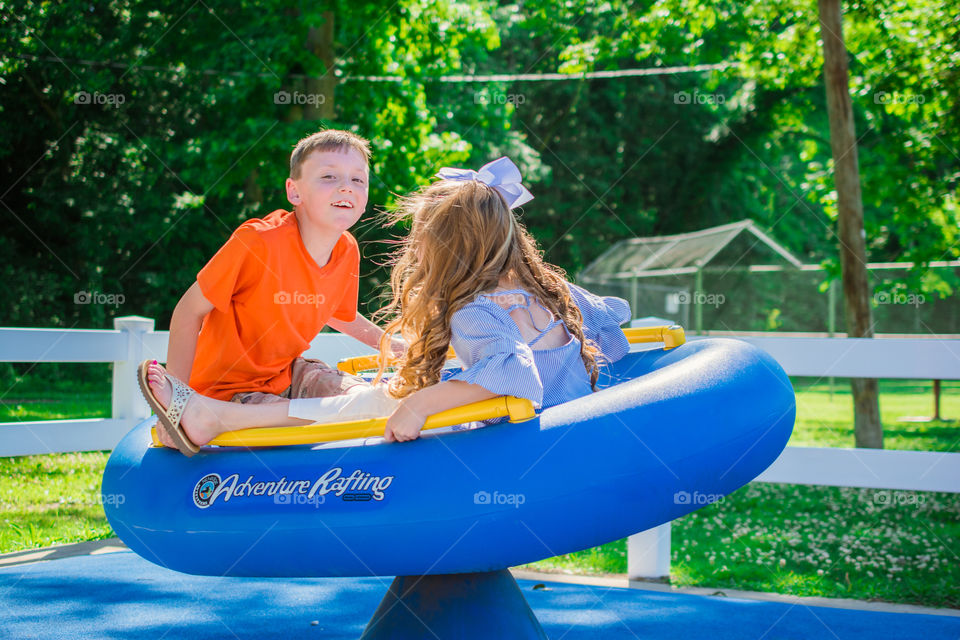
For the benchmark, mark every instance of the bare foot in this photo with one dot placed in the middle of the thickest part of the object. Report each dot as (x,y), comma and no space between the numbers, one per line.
(199,420)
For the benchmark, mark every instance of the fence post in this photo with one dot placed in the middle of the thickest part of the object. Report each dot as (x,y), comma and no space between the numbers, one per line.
(127,401)
(648,553)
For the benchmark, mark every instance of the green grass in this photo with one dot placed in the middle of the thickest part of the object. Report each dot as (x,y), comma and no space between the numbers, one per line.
(53,499)
(896,546)
(825,419)
(55,392)
(827,541)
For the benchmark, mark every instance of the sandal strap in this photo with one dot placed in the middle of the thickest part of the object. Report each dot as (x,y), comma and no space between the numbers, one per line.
(178,402)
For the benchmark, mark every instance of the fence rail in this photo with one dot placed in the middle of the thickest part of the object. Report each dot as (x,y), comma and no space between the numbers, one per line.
(896,358)
(134,339)
(131,341)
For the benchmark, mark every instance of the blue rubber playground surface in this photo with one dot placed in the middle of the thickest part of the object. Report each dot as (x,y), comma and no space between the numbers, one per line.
(119,595)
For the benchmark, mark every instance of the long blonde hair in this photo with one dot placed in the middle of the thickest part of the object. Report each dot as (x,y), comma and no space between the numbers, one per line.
(463,240)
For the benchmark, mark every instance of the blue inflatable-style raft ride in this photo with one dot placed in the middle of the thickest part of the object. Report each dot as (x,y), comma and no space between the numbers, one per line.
(670,431)
(699,420)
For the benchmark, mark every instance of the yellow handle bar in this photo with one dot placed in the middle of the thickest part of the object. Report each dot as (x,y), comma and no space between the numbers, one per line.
(671,336)
(517,409)
(357,364)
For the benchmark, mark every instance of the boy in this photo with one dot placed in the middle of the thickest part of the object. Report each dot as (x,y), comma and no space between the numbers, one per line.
(238,332)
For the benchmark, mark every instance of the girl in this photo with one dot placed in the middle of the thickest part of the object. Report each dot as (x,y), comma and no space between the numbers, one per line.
(468,275)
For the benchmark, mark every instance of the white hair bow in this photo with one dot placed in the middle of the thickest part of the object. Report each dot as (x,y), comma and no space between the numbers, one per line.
(501,174)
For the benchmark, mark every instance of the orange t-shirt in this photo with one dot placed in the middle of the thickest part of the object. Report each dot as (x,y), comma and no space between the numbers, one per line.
(270,300)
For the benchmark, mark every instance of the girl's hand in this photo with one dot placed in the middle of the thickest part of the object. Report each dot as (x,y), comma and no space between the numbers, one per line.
(404,424)
(408,418)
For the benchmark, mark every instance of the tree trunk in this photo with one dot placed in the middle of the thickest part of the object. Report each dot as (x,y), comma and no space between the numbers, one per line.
(868,432)
(252,191)
(320,44)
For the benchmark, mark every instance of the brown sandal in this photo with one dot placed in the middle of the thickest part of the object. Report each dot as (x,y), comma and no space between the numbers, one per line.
(169,418)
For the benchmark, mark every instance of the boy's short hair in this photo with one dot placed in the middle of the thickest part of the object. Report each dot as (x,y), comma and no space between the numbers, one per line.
(329,140)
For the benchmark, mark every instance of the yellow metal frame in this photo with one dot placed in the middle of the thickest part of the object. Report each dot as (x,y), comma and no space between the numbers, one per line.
(357,364)
(671,336)
(517,409)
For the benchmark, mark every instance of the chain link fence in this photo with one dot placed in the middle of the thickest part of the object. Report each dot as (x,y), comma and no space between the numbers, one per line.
(781,298)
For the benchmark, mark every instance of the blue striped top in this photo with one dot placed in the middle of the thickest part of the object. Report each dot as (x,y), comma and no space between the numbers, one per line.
(496,357)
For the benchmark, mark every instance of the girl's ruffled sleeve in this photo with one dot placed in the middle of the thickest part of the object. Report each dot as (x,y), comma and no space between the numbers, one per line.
(602,317)
(493,353)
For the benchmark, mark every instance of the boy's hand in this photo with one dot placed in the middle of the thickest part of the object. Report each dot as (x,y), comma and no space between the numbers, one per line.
(404,424)
(359,328)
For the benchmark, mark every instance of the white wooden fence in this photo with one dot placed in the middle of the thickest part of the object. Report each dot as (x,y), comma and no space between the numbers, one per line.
(917,358)
(133,340)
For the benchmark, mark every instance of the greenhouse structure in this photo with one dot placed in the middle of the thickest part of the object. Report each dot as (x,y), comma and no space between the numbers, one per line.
(735,277)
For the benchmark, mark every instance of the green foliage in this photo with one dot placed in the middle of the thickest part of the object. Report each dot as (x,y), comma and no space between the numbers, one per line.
(141,135)
(124,180)
(768,153)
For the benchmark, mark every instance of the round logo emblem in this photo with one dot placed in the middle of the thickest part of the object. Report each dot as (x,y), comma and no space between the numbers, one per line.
(203,492)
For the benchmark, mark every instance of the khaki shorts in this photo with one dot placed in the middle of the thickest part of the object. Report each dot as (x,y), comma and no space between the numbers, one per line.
(309,379)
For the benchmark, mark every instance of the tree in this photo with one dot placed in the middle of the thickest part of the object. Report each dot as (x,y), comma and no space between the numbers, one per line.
(868,431)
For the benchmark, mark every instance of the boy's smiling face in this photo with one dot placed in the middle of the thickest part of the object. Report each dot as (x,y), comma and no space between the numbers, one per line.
(331,193)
